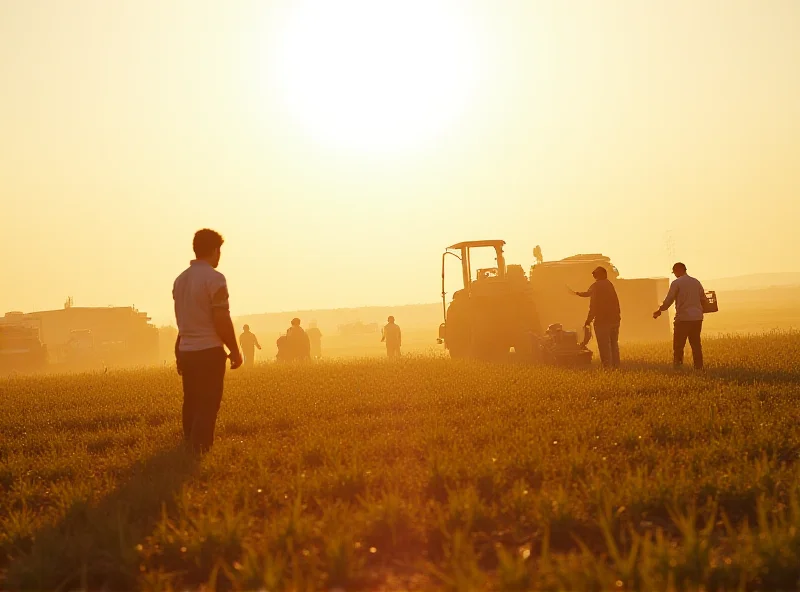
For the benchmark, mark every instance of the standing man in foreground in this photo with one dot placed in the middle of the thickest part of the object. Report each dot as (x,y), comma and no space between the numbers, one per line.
(249,343)
(391,335)
(604,311)
(204,326)
(688,295)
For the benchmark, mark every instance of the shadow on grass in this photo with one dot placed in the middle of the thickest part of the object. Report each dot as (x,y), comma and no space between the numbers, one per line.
(93,545)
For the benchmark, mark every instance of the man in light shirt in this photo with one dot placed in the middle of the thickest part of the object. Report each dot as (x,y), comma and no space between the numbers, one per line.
(688,295)
(204,327)
(249,343)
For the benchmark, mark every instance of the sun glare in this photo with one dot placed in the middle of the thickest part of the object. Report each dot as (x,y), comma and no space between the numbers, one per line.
(376,75)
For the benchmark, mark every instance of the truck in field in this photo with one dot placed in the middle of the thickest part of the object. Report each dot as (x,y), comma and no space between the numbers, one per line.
(90,337)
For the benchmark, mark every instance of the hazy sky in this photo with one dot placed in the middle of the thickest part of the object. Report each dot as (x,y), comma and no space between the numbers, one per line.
(338,151)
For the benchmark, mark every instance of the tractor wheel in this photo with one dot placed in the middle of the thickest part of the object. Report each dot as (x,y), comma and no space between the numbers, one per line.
(458,330)
(459,349)
(489,345)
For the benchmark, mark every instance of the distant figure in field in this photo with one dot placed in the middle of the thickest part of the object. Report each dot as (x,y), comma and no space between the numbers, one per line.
(283,349)
(392,337)
(249,343)
(204,327)
(689,297)
(297,342)
(604,312)
(315,337)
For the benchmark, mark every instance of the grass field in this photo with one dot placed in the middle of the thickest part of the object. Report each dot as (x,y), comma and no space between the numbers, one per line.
(420,474)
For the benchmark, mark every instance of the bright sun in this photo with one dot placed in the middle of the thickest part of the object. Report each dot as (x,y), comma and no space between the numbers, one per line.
(376,75)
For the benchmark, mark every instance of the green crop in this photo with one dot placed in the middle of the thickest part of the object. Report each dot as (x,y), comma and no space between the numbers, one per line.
(424,473)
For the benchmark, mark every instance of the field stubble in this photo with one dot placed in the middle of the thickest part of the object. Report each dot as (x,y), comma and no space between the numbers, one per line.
(425,473)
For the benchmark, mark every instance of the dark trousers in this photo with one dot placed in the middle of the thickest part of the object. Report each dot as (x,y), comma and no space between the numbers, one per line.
(607,337)
(249,356)
(203,373)
(687,330)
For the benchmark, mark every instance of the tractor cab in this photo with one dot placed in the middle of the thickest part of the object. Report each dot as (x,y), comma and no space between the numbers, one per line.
(464,251)
(491,313)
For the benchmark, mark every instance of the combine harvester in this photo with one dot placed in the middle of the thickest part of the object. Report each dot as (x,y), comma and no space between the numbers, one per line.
(82,338)
(504,309)
(21,350)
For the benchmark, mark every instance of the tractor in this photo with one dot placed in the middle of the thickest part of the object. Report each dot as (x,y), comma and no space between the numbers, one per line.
(502,308)
(492,313)
(497,312)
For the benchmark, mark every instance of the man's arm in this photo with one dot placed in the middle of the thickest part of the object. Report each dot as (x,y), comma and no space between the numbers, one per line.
(671,295)
(224,328)
(177,357)
(223,325)
(178,338)
(703,297)
(670,299)
(592,312)
(587,294)
(258,345)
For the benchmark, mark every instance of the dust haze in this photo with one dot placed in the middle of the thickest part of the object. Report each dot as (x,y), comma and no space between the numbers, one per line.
(399,295)
(580,128)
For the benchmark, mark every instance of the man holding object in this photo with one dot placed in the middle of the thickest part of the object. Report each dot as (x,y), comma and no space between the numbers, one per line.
(605,313)
(688,295)
(204,327)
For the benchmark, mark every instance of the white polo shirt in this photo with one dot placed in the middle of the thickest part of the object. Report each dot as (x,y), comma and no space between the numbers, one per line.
(687,293)
(197,291)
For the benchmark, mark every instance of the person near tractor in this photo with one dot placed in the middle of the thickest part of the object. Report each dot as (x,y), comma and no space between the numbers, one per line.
(249,343)
(392,336)
(297,342)
(315,338)
(689,298)
(283,349)
(204,328)
(604,312)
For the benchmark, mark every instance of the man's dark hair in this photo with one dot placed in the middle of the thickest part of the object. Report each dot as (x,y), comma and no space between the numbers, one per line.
(600,273)
(679,265)
(206,241)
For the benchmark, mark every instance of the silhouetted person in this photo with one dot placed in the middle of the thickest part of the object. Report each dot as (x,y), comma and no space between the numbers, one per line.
(249,343)
(297,341)
(392,337)
(604,312)
(688,295)
(283,350)
(315,337)
(204,327)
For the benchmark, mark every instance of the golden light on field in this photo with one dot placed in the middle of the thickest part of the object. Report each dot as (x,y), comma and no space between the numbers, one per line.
(357,138)
(375,76)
